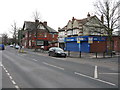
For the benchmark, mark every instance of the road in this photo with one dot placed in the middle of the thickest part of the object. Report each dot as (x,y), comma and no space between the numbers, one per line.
(30,70)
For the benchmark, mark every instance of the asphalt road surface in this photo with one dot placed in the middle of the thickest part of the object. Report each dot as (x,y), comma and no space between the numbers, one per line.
(30,70)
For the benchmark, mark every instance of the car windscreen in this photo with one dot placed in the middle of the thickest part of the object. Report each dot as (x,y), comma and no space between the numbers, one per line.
(59,49)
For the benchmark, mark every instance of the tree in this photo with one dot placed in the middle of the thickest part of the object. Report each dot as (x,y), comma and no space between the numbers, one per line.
(5,38)
(14,32)
(36,16)
(109,10)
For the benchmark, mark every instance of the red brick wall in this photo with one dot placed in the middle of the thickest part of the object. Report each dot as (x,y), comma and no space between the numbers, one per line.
(41,36)
(116,43)
(98,46)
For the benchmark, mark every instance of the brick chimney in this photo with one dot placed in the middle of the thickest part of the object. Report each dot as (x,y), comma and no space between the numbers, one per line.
(36,20)
(45,23)
(88,16)
(102,18)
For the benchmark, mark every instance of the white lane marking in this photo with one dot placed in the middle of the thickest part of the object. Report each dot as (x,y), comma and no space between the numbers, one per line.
(1,64)
(53,65)
(8,74)
(35,60)
(95,72)
(13,82)
(41,54)
(22,54)
(95,79)
(6,71)
(17,87)
(59,58)
(10,77)
(110,73)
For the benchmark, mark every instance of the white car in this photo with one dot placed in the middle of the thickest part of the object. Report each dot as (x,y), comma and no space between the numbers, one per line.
(17,47)
(11,45)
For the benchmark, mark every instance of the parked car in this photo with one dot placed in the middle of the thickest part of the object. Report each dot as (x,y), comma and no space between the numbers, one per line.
(56,51)
(17,47)
(2,47)
(11,45)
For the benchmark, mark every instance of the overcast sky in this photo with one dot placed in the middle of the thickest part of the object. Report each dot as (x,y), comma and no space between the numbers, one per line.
(55,12)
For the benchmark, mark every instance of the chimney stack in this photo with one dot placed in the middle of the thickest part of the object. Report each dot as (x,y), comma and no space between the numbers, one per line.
(88,16)
(102,18)
(36,20)
(45,23)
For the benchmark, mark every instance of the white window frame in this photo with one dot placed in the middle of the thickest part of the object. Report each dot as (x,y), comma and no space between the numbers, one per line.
(69,32)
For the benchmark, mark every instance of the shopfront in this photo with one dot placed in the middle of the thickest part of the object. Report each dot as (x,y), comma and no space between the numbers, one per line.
(82,43)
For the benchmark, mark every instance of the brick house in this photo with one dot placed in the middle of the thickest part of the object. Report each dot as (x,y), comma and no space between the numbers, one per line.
(86,35)
(80,34)
(46,36)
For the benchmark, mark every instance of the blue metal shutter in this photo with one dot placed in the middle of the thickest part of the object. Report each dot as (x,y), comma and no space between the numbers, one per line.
(72,46)
(85,47)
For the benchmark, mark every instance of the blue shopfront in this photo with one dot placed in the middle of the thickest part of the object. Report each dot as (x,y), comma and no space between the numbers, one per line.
(81,43)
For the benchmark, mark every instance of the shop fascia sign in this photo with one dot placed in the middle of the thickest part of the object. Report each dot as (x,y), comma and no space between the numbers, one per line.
(99,38)
(70,39)
(90,39)
(79,39)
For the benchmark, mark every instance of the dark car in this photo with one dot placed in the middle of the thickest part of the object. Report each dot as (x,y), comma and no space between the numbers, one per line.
(2,47)
(56,51)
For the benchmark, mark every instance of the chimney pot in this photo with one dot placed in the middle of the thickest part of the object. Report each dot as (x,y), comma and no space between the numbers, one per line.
(45,23)
(88,15)
(36,20)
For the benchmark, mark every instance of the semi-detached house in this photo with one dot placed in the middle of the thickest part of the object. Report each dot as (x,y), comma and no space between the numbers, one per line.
(46,36)
(84,35)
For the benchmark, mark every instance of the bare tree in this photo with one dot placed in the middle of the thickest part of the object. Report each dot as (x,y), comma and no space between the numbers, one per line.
(5,38)
(14,32)
(37,17)
(109,10)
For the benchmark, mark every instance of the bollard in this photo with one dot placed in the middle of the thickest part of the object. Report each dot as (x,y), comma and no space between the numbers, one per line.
(95,72)
(96,54)
(68,53)
(80,54)
(111,54)
(103,54)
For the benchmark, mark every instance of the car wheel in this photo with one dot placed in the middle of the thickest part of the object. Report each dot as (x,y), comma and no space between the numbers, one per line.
(49,54)
(65,56)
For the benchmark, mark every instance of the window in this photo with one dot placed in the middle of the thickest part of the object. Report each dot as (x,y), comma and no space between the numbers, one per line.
(53,36)
(45,34)
(41,27)
(40,42)
(75,31)
(26,35)
(62,33)
(69,32)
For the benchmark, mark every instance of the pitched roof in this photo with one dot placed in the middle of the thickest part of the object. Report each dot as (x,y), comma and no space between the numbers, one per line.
(31,26)
(84,20)
(51,29)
